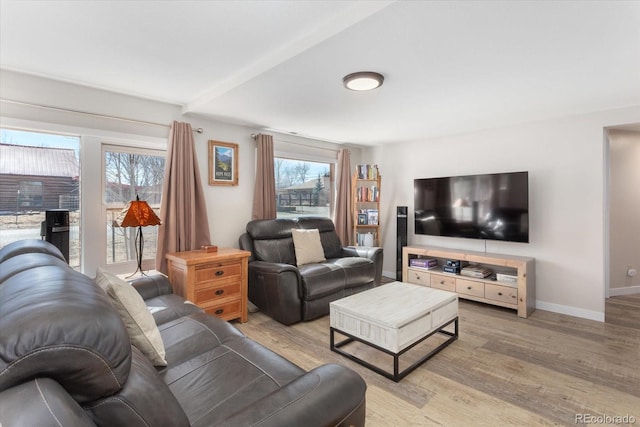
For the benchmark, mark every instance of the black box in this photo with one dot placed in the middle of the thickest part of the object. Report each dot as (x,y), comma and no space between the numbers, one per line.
(456,263)
(450,269)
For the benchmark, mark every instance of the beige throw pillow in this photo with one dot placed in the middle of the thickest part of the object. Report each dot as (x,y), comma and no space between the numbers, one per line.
(143,331)
(307,246)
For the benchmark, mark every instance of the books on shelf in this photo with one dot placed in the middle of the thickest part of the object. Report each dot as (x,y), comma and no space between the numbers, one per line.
(508,278)
(367,239)
(368,217)
(476,271)
(368,194)
(423,262)
(427,263)
(367,171)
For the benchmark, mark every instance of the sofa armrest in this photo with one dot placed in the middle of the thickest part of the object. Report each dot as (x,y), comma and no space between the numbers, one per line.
(41,402)
(330,395)
(362,251)
(152,286)
(274,267)
(275,288)
(375,254)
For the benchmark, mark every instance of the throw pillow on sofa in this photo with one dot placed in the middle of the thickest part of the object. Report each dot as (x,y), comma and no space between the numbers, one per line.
(307,246)
(143,331)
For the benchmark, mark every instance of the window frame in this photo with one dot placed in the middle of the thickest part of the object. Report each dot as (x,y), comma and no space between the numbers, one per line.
(302,157)
(74,236)
(122,267)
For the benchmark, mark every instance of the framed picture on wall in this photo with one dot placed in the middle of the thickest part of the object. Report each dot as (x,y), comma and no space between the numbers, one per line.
(223,163)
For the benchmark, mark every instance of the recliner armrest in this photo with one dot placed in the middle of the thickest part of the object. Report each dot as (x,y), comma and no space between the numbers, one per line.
(362,251)
(152,286)
(276,289)
(330,395)
(375,254)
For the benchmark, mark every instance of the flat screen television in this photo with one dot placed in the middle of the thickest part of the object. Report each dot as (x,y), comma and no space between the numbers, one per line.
(490,206)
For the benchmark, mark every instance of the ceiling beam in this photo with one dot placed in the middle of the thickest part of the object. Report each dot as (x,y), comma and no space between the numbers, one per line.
(358,12)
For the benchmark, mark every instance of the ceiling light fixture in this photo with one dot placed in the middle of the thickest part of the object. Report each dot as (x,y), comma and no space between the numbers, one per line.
(363,80)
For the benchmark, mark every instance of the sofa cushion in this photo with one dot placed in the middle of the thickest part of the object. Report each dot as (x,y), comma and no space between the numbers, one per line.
(68,331)
(307,246)
(272,240)
(29,246)
(328,236)
(145,400)
(143,332)
(319,280)
(357,271)
(166,308)
(43,400)
(212,361)
(22,262)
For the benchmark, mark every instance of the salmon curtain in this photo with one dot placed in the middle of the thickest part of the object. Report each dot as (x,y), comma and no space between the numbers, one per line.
(264,196)
(183,210)
(343,218)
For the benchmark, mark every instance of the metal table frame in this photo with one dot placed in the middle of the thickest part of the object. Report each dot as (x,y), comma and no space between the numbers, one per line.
(396,375)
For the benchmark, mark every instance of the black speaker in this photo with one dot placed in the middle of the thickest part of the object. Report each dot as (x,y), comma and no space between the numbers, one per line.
(401,235)
(56,230)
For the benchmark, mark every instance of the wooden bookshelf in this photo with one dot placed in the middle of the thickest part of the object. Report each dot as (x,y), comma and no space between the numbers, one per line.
(365,190)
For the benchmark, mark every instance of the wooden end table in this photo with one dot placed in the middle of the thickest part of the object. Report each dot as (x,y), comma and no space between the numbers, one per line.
(214,281)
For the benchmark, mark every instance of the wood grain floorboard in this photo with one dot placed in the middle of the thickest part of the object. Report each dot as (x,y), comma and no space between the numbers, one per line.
(502,371)
(623,311)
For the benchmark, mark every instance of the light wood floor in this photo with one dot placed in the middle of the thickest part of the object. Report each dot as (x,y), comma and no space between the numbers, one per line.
(503,370)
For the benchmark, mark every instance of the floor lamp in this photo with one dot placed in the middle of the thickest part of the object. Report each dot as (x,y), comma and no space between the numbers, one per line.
(139,214)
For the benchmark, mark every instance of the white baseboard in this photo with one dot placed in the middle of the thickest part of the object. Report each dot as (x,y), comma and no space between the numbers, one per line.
(571,311)
(629,290)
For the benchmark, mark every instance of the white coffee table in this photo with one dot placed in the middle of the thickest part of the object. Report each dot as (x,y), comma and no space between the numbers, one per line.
(393,318)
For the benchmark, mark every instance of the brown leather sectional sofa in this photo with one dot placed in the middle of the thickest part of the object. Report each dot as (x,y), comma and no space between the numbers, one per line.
(66,359)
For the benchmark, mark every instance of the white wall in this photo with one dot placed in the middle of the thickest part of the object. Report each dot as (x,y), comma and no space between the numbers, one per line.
(565,160)
(229,207)
(624,213)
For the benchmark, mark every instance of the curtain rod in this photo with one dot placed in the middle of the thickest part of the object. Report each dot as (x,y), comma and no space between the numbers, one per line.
(334,150)
(85,113)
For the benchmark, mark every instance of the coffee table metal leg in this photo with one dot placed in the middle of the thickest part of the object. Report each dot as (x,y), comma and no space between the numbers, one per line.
(397,375)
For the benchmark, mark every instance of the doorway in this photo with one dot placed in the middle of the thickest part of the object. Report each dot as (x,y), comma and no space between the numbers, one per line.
(622,259)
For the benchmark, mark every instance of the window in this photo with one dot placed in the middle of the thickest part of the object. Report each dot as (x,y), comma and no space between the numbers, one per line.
(131,173)
(303,188)
(38,172)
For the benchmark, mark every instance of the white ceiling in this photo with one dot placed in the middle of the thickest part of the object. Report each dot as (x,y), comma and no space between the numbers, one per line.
(449,67)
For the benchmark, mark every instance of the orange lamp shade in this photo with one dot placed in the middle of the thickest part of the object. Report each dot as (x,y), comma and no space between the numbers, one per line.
(138,213)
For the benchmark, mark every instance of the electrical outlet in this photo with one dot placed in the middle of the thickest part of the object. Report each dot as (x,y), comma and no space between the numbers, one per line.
(632,272)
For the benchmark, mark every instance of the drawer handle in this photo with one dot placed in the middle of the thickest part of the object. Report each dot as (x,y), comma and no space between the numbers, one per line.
(469,287)
(418,277)
(220,311)
(219,273)
(442,282)
(499,294)
(220,292)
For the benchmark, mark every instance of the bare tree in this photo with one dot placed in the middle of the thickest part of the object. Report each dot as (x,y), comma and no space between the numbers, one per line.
(278,167)
(301,170)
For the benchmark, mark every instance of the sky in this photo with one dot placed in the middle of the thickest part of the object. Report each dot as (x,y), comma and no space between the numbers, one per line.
(36,139)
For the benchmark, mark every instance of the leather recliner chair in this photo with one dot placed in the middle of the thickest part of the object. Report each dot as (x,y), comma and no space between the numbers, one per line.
(290,293)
